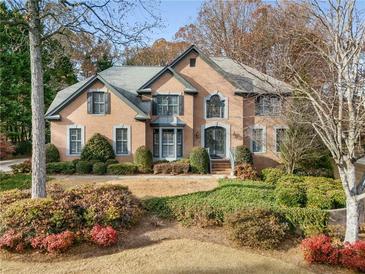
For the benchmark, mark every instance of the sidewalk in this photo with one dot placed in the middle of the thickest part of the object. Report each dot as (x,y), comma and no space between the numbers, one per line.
(5,165)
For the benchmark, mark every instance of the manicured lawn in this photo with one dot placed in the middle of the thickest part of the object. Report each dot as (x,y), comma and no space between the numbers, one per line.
(17,181)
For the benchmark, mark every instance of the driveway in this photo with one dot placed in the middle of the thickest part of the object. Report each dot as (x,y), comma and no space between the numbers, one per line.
(5,165)
(144,186)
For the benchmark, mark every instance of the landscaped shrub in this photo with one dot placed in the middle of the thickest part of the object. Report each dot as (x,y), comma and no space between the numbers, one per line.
(60,168)
(83,167)
(25,167)
(6,148)
(171,168)
(122,169)
(111,162)
(52,154)
(320,249)
(54,242)
(97,148)
(76,210)
(257,228)
(11,196)
(12,241)
(23,148)
(104,236)
(290,191)
(199,160)
(245,172)
(99,168)
(272,175)
(143,159)
(243,155)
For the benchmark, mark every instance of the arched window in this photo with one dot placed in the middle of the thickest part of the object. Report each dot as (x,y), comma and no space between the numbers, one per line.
(215,107)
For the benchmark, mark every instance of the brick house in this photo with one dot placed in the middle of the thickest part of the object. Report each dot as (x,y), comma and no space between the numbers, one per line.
(196,100)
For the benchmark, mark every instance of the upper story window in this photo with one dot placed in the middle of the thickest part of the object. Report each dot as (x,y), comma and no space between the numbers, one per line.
(167,105)
(97,102)
(215,107)
(268,105)
(192,62)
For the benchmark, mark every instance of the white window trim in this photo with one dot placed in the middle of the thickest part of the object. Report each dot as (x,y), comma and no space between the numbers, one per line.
(274,145)
(129,136)
(101,91)
(222,97)
(217,124)
(175,144)
(68,139)
(264,139)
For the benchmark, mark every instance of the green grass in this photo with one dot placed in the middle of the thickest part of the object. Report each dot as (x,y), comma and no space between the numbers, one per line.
(17,181)
(230,196)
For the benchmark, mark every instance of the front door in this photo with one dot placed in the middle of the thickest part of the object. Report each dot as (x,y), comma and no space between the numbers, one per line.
(215,140)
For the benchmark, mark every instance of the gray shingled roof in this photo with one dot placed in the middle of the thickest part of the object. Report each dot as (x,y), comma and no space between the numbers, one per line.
(249,79)
(125,79)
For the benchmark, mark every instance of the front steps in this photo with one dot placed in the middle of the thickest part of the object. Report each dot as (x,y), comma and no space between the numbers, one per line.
(221,167)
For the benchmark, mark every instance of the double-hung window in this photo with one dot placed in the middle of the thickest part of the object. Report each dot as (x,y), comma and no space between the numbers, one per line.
(258,140)
(268,105)
(167,105)
(75,137)
(122,140)
(167,143)
(279,138)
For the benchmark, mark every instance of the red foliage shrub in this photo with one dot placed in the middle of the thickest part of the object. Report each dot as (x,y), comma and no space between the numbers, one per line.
(54,242)
(320,249)
(6,147)
(12,240)
(245,172)
(104,236)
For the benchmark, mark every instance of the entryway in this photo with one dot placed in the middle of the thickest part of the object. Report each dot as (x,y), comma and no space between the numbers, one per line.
(215,141)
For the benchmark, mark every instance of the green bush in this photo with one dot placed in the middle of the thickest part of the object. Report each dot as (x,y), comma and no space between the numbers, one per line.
(97,148)
(52,154)
(23,148)
(199,160)
(111,162)
(122,169)
(24,167)
(143,159)
(243,155)
(60,167)
(258,228)
(83,167)
(290,191)
(99,168)
(271,175)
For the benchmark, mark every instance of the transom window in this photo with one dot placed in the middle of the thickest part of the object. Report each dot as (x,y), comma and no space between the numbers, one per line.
(268,105)
(121,141)
(167,105)
(215,107)
(75,141)
(279,138)
(167,143)
(258,140)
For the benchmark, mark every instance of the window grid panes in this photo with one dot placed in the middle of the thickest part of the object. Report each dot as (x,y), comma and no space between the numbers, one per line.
(258,140)
(215,107)
(121,140)
(75,140)
(168,143)
(280,135)
(268,105)
(98,102)
(179,143)
(167,105)
(156,143)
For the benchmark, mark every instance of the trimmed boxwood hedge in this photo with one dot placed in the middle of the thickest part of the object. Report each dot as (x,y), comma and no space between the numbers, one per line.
(60,168)
(83,167)
(52,154)
(199,160)
(99,168)
(122,169)
(143,159)
(97,148)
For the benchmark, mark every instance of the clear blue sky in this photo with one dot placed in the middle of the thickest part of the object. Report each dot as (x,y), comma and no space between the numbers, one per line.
(175,14)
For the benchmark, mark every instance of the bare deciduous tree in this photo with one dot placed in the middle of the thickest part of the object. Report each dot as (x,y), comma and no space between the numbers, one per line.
(104,19)
(337,96)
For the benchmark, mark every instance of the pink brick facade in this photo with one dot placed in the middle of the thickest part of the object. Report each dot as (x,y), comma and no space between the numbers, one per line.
(240,115)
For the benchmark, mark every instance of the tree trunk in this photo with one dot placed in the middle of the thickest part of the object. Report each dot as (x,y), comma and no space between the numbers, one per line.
(37,100)
(348,176)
